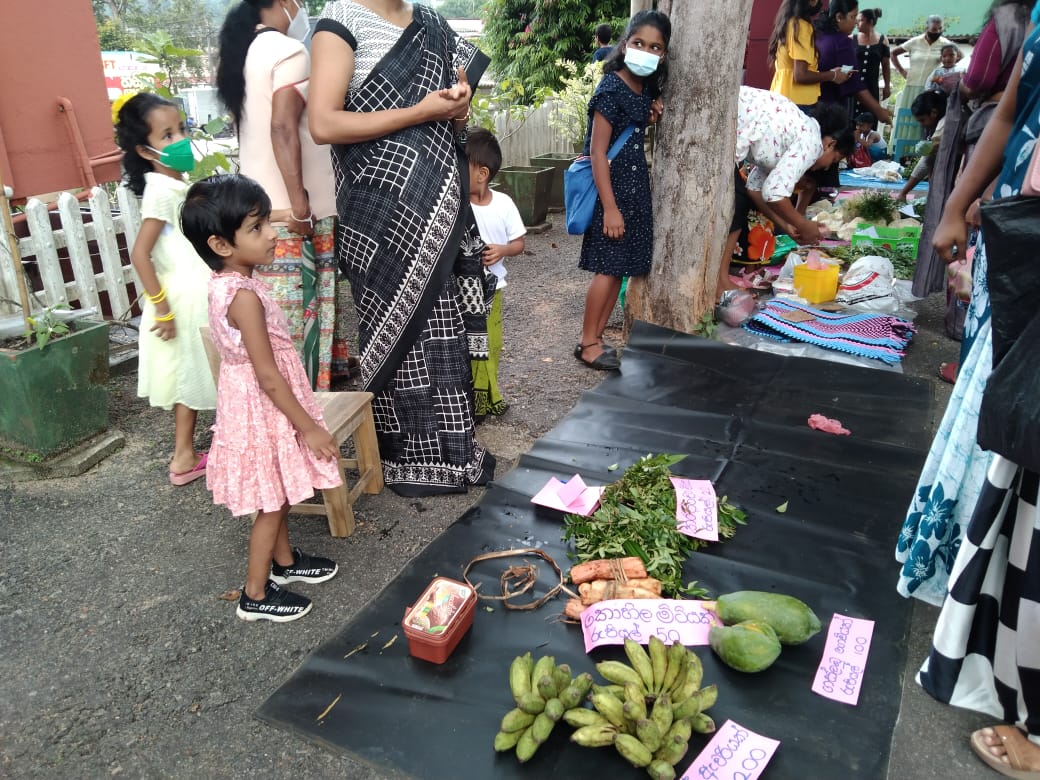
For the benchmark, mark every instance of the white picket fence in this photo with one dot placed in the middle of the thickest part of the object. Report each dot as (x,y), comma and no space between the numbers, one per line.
(533,137)
(104,271)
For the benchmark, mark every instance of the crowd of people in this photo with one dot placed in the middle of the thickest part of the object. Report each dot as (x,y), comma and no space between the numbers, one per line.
(357,159)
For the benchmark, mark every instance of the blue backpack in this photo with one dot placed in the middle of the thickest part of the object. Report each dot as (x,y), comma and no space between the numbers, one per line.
(579,188)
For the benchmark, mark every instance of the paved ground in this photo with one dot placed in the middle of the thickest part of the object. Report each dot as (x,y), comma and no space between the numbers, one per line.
(119,658)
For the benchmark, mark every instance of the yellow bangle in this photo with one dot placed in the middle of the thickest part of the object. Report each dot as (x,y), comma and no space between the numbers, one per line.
(159,297)
(165,317)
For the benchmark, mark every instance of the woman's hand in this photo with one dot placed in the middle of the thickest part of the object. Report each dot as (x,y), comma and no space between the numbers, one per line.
(437,106)
(320,442)
(302,227)
(656,109)
(886,92)
(951,236)
(885,116)
(450,102)
(839,76)
(807,232)
(613,223)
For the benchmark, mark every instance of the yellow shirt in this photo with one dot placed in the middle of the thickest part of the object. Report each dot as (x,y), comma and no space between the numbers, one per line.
(798,46)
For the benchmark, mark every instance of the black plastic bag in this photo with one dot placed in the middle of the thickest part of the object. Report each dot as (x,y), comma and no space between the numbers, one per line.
(1009,417)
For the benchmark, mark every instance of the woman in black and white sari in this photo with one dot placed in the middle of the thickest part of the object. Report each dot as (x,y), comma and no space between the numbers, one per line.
(390,91)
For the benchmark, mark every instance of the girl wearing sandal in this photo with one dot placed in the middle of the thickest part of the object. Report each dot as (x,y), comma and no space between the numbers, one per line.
(984,652)
(619,241)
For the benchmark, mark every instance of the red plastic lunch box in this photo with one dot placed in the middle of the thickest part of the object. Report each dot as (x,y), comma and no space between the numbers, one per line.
(440,618)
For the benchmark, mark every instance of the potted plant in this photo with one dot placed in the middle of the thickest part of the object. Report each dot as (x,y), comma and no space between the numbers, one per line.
(568,118)
(529,186)
(53,382)
(53,376)
(503,110)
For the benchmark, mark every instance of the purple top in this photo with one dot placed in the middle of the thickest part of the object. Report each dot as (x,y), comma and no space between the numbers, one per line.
(984,72)
(834,50)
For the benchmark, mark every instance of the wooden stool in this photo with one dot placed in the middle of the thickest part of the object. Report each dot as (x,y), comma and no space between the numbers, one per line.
(347,416)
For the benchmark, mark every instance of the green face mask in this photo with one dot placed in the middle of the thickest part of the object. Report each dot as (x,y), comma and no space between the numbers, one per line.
(177,156)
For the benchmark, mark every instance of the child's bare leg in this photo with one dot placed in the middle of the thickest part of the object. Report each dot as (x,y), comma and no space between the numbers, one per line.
(724,283)
(283,554)
(609,301)
(597,298)
(184,457)
(264,540)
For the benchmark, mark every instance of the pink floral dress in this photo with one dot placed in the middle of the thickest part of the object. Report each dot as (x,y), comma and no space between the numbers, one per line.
(258,461)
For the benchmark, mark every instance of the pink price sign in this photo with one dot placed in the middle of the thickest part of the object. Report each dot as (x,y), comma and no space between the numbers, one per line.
(734,753)
(696,508)
(840,674)
(671,620)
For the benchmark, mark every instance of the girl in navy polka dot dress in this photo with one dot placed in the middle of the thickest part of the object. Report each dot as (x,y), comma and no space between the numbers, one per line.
(619,241)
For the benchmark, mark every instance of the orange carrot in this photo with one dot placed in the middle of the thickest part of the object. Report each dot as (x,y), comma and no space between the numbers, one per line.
(606,570)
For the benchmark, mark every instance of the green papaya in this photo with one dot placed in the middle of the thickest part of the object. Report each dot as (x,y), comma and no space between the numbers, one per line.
(750,646)
(791,619)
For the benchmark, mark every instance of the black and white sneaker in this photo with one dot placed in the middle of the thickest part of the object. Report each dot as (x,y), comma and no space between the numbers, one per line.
(279,605)
(306,568)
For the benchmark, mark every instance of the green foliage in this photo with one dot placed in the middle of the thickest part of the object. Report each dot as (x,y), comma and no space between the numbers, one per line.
(874,206)
(570,113)
(113,36)
(45,326)
(526,39)
(508,98)
(904,259)
(636,517)
(706,326)
(173,61)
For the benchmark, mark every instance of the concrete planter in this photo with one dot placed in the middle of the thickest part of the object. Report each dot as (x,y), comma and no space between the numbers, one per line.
(56,396)
(559,162)
(529,187)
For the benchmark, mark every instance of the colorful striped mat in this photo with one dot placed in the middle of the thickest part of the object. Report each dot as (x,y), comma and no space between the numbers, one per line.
(879,336)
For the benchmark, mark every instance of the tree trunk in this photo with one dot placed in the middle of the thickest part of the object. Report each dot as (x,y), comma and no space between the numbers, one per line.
(642,5)
(693,163)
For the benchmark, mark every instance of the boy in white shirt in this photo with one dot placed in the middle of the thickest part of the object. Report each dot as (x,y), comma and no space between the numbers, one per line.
(502,229)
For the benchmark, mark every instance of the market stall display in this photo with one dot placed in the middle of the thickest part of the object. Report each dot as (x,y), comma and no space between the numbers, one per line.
(741,417)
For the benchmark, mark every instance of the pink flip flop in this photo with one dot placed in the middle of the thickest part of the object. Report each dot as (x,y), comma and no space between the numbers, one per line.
(190,476)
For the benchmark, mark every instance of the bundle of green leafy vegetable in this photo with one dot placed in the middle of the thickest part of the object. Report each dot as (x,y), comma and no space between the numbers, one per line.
(904,259)
(636,517)
(873,206)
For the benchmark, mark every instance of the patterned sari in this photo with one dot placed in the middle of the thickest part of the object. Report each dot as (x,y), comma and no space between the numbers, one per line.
(404,220)
(302,280)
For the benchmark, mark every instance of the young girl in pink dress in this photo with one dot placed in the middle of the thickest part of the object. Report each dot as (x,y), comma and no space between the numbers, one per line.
(270,445)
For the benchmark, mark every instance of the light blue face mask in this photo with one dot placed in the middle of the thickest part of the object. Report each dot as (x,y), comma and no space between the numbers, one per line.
(641,63)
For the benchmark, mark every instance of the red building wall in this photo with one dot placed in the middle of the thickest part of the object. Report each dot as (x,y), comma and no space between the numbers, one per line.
(757,72)
(49,49)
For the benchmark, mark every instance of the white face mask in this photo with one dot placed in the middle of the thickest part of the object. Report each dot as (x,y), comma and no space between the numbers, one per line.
(641,63)
(299,25)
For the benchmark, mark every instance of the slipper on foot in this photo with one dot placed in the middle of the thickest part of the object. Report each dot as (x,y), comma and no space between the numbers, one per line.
(602,362)
(179,480)
(948,372)
(1010,737)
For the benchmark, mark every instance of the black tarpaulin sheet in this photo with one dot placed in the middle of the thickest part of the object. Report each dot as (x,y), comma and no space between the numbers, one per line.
(740,416)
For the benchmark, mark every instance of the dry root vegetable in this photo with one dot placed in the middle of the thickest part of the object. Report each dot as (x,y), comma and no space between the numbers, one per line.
(608,569)
(603,590)
(573,609)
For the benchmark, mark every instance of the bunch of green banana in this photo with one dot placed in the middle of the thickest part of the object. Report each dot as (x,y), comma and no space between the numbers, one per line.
(544,693)
(650,708)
